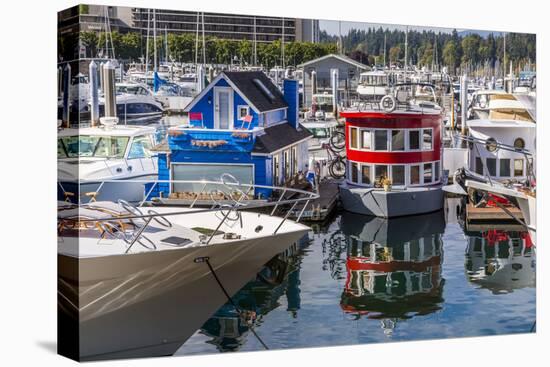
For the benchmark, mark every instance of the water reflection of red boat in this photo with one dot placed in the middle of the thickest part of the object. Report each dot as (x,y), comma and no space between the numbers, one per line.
(393,266)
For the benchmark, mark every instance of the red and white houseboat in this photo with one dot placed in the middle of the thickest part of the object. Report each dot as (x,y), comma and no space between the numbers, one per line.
(394,154)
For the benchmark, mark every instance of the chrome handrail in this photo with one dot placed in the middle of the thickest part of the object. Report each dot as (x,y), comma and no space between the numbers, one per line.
(237,205)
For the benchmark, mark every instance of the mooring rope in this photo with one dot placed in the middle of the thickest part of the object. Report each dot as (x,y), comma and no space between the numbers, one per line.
(251,327)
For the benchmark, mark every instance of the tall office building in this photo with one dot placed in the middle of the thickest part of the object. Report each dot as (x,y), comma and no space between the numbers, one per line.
(228,26)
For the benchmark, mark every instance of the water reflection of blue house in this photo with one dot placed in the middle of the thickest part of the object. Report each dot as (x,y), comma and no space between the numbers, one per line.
(240,124)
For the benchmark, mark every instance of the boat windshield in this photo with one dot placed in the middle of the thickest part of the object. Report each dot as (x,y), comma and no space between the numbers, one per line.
(92,146)
(131,89)
(319,132)
(374,80)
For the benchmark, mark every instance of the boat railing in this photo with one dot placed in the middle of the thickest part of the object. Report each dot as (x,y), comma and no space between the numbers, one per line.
(235,192)
(496,145)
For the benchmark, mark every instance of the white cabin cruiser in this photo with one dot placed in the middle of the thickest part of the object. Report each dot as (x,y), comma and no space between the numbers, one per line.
(510,126)
(108,152)
(135,104)
(147,279)
(373,84)
(479,106)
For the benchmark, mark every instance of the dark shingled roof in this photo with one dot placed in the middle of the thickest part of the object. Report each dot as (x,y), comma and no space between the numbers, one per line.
(279,136)
(262,101)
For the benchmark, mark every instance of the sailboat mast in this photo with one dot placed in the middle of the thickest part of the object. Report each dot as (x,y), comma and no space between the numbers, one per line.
(406,50)
(283,44)
(504,57)
(384,48)
(154,40)
(166,42)
(147,43)
(203,42)
(197,40)
(255,53)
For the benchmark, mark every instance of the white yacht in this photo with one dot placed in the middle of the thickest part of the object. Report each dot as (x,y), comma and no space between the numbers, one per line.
(509,125)
(373,84)
(135,104)
(147,278)
(479,106)
(107,152)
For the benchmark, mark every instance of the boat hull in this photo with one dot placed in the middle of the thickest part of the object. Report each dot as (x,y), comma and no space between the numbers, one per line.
(395,203)
(150,303)
(132,192)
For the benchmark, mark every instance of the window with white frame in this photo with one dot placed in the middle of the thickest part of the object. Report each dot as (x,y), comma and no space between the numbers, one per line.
(428,173)
(518,167)
(380,172)
(504,164)
(366,139)
(427,139)
(354,172)
(242,112)
(380,139)
(436,171)
(353,137)
(415,174)
(492,166)
(398,174)
(398,140)
(479,166)
(366,175)
(414,139)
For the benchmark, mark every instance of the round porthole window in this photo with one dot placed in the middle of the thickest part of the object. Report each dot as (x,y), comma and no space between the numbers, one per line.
(491,144)
(519,143)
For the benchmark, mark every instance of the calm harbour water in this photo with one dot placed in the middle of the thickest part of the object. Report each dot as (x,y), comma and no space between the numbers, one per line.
(368,280)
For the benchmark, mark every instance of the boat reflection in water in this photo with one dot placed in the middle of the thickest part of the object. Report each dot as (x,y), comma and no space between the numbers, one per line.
(281,276)
(393,267)
(500,260)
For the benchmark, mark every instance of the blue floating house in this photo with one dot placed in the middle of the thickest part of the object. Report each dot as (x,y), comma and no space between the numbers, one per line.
(239,124)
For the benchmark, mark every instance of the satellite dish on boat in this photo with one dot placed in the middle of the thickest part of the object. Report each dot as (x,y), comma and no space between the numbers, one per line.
(108,122)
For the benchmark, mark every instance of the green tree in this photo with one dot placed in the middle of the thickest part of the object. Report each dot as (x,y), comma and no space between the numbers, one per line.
(90,41)
(395,53)
(450,55)
(470,47)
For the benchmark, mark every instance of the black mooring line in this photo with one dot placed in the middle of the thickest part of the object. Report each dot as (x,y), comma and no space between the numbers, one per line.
(251,327)
(533,327)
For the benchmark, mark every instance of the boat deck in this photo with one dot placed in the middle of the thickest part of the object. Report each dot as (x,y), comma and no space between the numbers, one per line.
(486,214)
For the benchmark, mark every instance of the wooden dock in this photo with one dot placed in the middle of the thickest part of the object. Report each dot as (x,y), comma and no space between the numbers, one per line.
(320,209)
(488,214)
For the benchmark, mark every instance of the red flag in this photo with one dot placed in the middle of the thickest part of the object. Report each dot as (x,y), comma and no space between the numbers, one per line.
(194,116)
(247,118)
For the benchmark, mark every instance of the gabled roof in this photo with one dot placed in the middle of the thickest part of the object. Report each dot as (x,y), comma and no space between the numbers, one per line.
(278,137)
(253,86)
(340,57)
